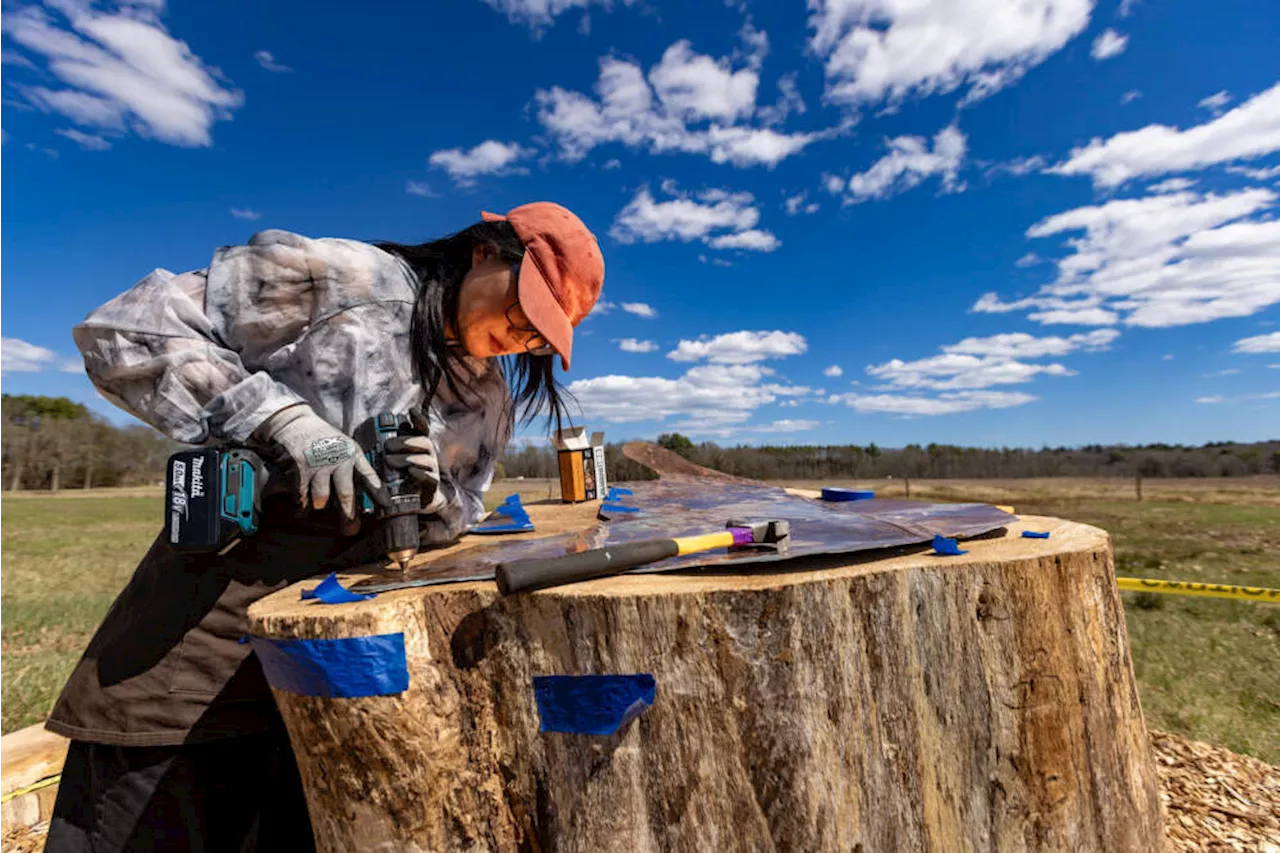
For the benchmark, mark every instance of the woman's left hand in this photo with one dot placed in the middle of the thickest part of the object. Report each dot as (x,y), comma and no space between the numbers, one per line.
(417,454)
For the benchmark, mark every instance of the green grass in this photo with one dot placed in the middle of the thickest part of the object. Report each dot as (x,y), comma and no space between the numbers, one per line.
(1206,669)
(64,562)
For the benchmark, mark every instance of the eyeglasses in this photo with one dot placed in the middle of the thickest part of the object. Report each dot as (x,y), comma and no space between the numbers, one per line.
(525,326)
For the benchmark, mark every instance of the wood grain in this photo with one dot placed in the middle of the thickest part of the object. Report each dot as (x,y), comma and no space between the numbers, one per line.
(911,702)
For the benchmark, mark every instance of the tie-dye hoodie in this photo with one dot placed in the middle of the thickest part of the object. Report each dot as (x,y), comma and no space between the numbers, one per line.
(206,356)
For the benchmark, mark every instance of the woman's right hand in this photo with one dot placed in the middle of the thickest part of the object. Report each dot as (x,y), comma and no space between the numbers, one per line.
(326,459)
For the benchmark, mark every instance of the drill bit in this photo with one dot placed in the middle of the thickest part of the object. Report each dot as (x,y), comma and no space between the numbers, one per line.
(402,557)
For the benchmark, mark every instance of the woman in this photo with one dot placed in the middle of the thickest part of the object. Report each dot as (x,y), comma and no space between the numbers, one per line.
(288,344)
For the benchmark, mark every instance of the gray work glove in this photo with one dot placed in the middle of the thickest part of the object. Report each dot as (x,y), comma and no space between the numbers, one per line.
(417,454)
(322,455)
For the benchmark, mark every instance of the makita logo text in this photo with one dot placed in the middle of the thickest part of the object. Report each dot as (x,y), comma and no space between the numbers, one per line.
(197,477)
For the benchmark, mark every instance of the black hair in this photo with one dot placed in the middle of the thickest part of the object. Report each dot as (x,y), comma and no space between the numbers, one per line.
(441,265)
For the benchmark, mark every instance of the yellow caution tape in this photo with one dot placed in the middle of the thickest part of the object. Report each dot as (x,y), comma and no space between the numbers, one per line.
(43,783)
(1208,590)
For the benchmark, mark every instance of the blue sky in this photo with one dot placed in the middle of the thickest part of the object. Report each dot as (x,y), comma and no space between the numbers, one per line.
(846,221)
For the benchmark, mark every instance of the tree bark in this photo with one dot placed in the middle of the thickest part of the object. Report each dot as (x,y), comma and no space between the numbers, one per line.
(909,702)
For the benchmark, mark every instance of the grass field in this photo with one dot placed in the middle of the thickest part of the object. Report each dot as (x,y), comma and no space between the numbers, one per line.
(1207,669)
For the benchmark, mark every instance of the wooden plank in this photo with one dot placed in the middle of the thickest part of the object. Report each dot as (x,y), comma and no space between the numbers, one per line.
(27,758)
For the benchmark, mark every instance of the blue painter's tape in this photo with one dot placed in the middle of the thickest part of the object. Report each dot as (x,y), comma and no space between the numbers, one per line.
(609,507)
(1031,534)
(512,509)
(592,704)
(943,545)
(615,491)
(834,493)
(335,669)
(331,591)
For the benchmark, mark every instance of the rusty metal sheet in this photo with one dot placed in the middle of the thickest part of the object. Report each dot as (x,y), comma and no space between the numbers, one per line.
(683,503)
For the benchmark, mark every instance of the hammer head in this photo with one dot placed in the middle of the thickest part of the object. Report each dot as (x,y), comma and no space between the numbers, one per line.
(767,532)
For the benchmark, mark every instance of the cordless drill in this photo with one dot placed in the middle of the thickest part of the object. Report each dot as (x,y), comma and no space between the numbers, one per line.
(213,496)
(399,515)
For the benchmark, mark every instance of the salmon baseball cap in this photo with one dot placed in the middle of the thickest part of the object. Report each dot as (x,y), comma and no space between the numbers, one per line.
(562,271)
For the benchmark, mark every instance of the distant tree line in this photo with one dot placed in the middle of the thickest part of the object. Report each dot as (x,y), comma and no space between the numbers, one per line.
(933,461)
(54,443)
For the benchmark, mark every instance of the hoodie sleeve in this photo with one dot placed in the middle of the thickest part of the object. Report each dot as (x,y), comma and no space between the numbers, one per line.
(154,352)
(192,354)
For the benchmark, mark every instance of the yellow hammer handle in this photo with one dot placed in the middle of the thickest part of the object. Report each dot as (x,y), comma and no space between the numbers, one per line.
(705,542)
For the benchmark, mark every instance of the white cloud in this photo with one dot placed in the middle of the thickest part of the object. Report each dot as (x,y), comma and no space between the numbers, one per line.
(420,188)
(245,213)
(602,306)
(488,158)
(799,203)
(1215,102)
(1242,398)
(91,141)
(537,15)
(1164,260)
(909,162)
(660,113)
(833,370)
(1250,130)
(787,425)
(754,240)
(1030,259)
(715,397)
(9,57)
(1264,174)
(1108,44)
(962,372)
(887,49)
(694,86)
(1172,185)
(740,347)
(717,217)
(789,101)
(951,371)
(1258,343)
(122,71)
(18,356)
(640,309)
(1015,345)
(1130,96)
(633,345)
(943,404)
(1018,166)
(268,61)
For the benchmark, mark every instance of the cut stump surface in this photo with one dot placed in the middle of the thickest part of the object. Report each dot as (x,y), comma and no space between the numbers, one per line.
(902,702)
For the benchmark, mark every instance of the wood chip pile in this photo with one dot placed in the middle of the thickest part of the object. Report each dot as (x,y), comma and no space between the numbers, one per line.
(29,839)
(1214,800)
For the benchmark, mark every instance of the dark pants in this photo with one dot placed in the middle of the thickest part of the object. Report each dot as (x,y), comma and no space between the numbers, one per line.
(235,794)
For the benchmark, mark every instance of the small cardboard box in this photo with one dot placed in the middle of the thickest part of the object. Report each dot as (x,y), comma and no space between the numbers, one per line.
(582,469)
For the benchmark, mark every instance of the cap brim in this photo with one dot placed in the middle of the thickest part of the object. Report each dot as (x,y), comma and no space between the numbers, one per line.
(543,311)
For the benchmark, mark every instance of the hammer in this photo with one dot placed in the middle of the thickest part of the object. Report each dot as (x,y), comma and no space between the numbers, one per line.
(539,573)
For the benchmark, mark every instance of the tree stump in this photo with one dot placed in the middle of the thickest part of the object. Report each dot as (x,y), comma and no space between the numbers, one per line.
(897,702)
